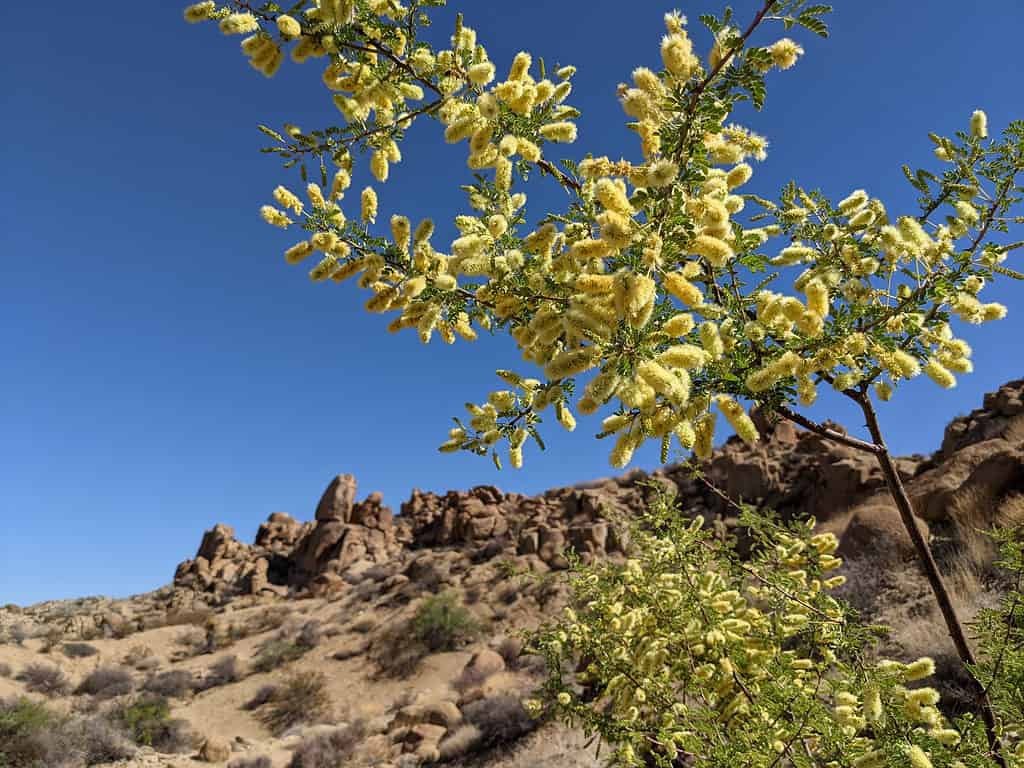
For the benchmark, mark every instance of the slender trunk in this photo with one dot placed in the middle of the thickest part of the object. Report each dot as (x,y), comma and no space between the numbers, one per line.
(931,569)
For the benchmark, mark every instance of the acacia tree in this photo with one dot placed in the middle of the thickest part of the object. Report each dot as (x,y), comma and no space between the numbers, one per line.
(663,289)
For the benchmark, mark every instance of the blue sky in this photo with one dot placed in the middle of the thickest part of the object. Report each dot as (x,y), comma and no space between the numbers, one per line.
(164,370)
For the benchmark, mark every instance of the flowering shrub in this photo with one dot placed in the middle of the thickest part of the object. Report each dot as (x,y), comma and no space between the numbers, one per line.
(665,294)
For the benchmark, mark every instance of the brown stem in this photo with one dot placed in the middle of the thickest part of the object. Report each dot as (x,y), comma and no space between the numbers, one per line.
(821,429)
(935,580)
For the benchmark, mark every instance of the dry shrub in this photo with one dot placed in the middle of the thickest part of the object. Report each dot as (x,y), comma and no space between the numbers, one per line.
(52,637)
(364,624)
(137,655)
(471,677)
(500,719)
(507,593)
(197,617)
(329,750)
(557,746)
(301,698)
(224,671)
(288,645)
(269,619)
(511,650)
(19,633)
(5,669)
(45,679)
(460,742)
(174,683)
(31,735)
(79,650)
(251,762)
(192,641)
(106,683)
(264,694)
(1011,509)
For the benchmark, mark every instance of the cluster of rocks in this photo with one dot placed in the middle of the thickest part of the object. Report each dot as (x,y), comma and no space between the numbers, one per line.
(288,554)
(791,471)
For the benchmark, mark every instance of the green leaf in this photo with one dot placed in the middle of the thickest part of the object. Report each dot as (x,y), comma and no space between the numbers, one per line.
(536,436)
(272,133)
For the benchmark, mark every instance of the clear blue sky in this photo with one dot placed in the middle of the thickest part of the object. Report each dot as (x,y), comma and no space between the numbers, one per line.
(163,369)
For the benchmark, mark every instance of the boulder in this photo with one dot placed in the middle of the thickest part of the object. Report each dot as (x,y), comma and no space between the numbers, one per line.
(336,502)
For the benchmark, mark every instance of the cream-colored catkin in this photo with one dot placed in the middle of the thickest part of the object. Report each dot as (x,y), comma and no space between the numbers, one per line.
(704,436)
(688,293)
(368,200)
(737,417)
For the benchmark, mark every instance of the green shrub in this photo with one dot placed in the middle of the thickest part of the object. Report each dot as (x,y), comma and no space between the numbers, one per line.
(274,654)
(22,723)
(441,622)
(149,723)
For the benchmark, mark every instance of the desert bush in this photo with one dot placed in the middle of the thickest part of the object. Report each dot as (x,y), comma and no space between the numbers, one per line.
(364,624)
(5,669)
(173,683)
(329,750)
(275,653)
(79,650)
(301,698)
(137,656)
(309,635)
(263,695)
(441,622)
(46,679)
(93,740)
(251,762)
(192,642)
(52,637)
(224,671)
(274,617)
(18,634)
(510,649)
(189,617)
(32,736)
(148,722)
(500,719)
(459,742)
(23,724)
(469,678)
(106,683)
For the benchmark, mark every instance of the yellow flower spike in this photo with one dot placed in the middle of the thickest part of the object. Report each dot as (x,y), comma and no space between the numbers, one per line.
(275,217)
(785,53)
(979,125)
(298,252)
(737,417)
(562,132)
(683,289)
(379,166)
(919,670)
(565,417)
(288,26)
(368,201)
(939,374)
(704,435)
(287,199)
(918,757)
(239,24)
(200,11)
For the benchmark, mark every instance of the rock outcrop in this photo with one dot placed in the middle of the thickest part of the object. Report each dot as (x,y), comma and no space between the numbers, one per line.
(791,471)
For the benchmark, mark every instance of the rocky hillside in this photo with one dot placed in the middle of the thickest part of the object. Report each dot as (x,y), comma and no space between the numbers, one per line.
(363,637)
